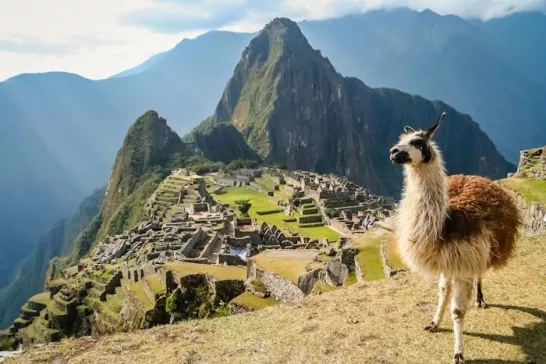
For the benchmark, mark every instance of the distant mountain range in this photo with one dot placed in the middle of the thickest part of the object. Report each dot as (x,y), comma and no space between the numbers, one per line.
(60,132)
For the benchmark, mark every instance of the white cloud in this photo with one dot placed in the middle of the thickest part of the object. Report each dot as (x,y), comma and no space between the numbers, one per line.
(94,43)
(91,38)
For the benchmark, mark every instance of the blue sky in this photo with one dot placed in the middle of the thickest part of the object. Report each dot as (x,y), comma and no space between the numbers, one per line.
(97,38)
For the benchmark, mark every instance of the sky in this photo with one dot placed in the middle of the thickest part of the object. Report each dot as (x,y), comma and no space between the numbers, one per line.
(98,38)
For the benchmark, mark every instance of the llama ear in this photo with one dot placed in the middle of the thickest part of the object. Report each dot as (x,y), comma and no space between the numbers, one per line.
(429,133)
(409,129)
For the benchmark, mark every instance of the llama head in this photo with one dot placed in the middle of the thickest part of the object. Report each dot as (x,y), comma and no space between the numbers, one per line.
(416,146)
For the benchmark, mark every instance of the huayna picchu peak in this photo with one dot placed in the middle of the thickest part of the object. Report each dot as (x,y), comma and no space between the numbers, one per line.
(292,107)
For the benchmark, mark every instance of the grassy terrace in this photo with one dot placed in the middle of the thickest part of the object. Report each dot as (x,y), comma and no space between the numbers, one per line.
(392,253)
(42,298)
(138,289)
(287,263)
(154,282)
(261,202)
(248,299)
(217,271)
(533,190)
(369,256)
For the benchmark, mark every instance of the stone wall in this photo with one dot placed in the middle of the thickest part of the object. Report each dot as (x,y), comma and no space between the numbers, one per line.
(230,259)
(226,290)
(533,215)
(532,163)
(148,291)
(189,245)
(209,248)
(111,285)
(279,287)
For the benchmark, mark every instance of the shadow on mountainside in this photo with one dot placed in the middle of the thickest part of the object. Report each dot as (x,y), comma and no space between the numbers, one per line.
(531,339)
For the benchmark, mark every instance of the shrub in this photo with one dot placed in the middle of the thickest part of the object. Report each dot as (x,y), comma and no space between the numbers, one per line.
(243,206)
(223,309)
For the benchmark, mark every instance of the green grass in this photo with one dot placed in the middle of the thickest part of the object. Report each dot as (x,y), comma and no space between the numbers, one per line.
(261,202)
(138,289)
(287,263)
(42,298)
(532,190)
(266,183)
(248,299)
(154,282)
(369,256)
(217,271)
(393,257)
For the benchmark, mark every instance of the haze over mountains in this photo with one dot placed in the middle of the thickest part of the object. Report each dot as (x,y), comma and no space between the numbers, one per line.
(60,132)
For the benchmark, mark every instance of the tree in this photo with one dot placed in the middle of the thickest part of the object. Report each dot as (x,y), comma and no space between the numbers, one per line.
(243,206)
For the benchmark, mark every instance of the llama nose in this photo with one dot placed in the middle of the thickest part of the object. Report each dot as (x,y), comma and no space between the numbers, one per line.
(394,150)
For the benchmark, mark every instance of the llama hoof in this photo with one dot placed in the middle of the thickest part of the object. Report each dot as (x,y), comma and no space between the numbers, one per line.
(481,304)
(432,327)
(458,359)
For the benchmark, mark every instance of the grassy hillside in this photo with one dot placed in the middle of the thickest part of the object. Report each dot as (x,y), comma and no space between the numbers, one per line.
(379,322)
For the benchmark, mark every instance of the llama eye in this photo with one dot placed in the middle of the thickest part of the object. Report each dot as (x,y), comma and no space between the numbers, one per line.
(419,144)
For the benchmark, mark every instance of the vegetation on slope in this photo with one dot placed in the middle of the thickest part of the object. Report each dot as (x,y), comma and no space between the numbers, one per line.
(221,142)
(375,322)
(63,239)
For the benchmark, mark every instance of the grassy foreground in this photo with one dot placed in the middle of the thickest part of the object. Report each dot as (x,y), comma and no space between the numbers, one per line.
(376,322)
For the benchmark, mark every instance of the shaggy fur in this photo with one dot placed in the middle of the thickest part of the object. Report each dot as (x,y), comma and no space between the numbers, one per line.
(453,229)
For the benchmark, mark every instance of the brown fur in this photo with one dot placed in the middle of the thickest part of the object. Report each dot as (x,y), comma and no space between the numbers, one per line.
(477,203)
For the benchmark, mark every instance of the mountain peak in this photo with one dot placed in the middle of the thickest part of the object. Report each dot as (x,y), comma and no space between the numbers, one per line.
(280,34)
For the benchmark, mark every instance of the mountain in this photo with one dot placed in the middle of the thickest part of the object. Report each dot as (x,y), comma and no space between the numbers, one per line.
(30,275)
(292,107)
(446,58)
(521,35)
(141,67)
(147,152)
(221,142)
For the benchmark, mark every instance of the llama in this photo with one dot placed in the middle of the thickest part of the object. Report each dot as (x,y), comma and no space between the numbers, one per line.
(451,228)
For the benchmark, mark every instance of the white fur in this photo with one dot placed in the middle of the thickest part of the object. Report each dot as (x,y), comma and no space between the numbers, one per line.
(420,219)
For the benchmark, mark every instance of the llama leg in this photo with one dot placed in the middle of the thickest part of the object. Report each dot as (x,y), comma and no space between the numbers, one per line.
(462,292)
(480,303)
(444,291)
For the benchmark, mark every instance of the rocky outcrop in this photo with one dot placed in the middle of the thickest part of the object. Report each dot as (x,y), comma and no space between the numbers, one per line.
(532,163)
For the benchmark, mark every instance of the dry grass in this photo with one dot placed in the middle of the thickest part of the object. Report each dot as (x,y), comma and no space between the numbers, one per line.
(217,271)
(377,322)
(287,263)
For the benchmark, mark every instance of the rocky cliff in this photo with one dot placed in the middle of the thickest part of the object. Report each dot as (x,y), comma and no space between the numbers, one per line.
(292,107)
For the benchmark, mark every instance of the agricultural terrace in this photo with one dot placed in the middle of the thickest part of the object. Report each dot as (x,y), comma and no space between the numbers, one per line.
(261,202)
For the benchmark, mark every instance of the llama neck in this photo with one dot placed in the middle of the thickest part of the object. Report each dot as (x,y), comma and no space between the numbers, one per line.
(425,201)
